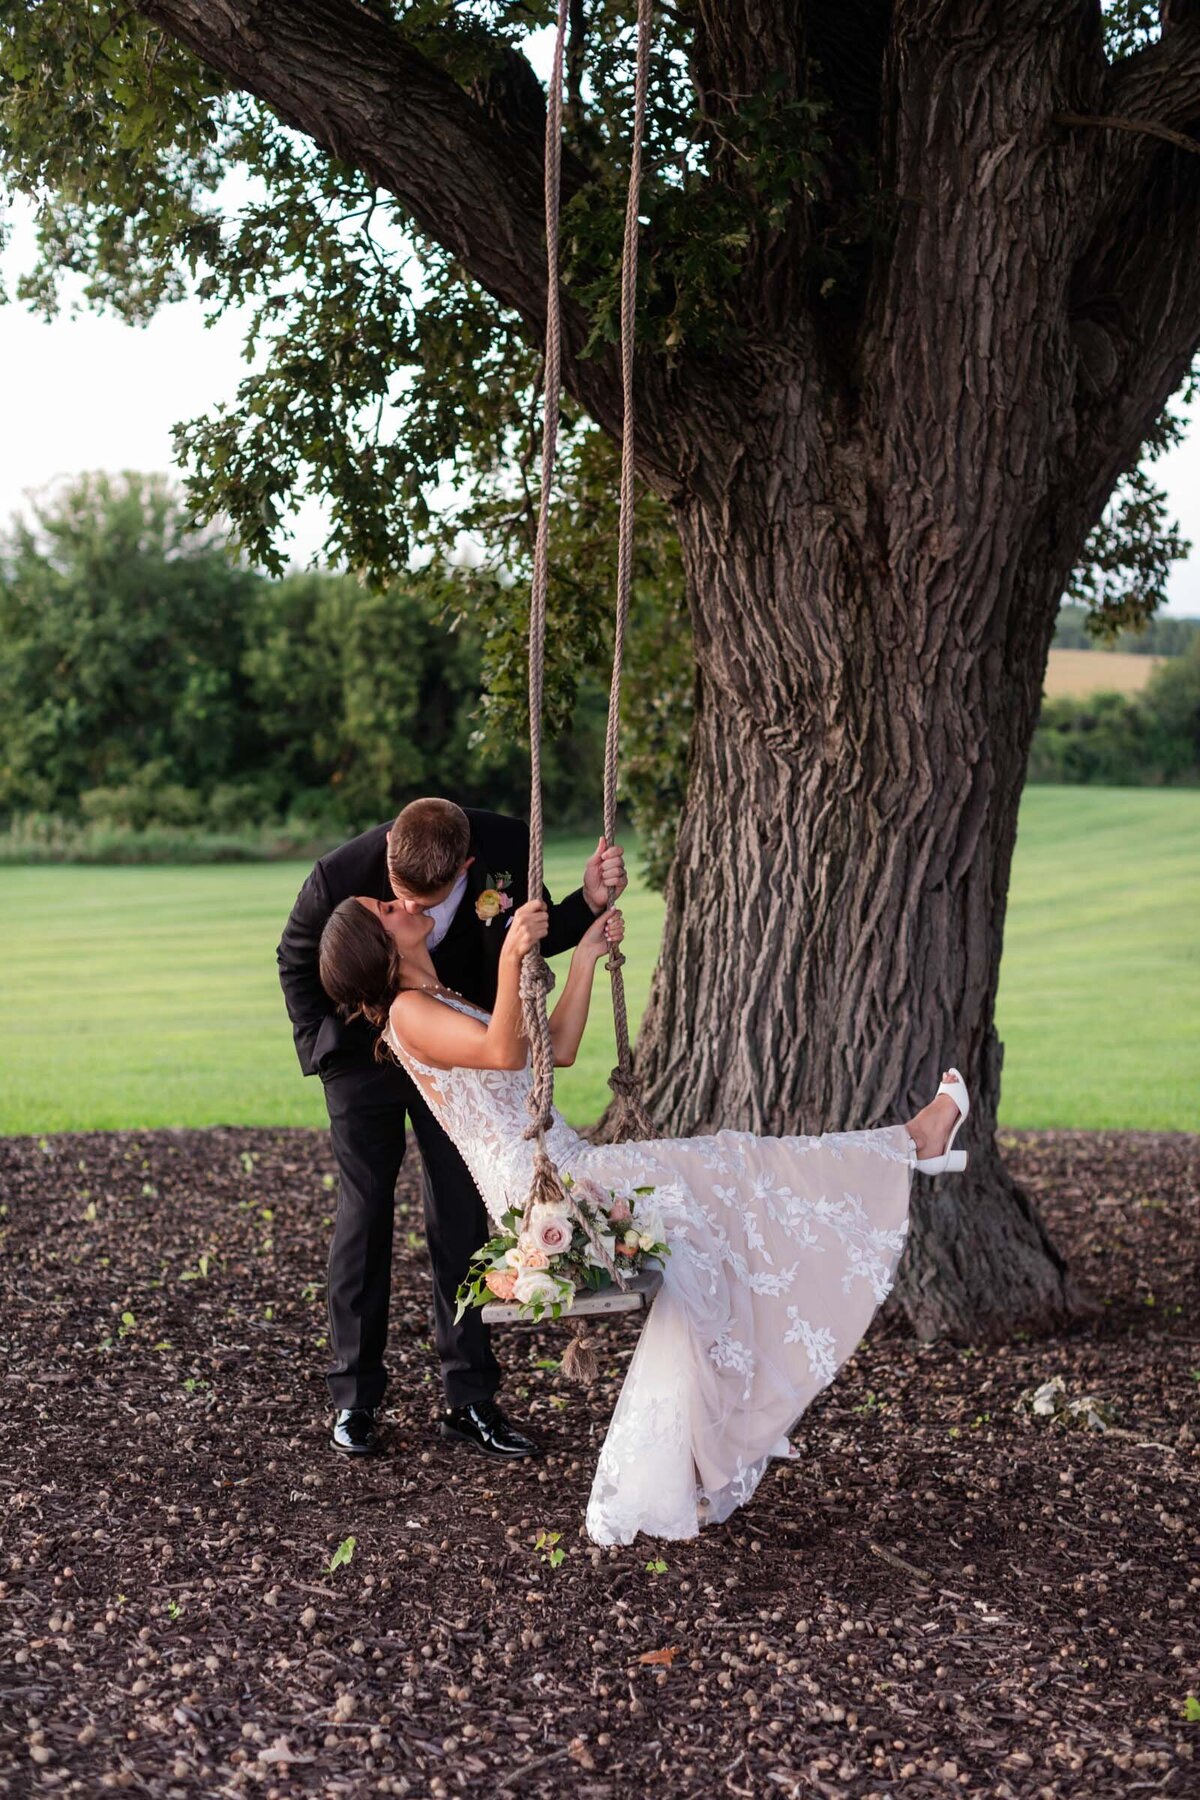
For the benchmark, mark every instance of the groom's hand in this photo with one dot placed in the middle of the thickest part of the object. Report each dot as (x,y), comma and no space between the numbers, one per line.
(605,869)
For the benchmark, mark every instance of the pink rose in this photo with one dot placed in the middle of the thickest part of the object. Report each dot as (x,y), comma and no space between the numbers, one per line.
(620,1211)
(550,1228)
(591,1193)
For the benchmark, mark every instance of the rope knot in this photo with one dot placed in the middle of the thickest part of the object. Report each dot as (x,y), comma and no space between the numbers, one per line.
(629,1118)
(625,1084)
(537,977)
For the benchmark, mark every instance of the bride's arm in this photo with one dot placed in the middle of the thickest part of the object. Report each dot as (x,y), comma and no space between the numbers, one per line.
(447,1039)
(570,1015)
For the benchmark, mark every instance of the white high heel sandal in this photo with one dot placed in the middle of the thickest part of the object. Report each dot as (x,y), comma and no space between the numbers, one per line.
(951,1161)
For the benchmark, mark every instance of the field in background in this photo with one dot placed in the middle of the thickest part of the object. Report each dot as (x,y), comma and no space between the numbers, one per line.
(1076,674)
(148,996)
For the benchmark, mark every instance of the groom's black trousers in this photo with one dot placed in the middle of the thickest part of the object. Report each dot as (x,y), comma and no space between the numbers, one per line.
(367,1107)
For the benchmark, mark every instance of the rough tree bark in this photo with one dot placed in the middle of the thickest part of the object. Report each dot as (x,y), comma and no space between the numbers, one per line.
(879,506)
(874,575)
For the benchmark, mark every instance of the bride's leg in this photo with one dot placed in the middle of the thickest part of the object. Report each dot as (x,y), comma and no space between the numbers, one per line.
(931,1127)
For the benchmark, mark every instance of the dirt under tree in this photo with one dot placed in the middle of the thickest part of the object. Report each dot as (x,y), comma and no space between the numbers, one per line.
(940,1596)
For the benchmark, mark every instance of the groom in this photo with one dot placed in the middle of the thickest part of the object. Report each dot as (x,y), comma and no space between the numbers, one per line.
(468,870)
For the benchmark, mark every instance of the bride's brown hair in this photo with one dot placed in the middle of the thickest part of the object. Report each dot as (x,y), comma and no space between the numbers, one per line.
(360,968)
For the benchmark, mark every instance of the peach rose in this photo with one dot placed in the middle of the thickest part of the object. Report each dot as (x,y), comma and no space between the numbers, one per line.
(530,1254)
(502,1282)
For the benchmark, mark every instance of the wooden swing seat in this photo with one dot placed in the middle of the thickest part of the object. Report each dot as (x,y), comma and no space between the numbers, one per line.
(637,1297)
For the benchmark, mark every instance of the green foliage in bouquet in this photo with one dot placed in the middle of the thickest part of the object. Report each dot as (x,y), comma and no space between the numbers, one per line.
(541,1268)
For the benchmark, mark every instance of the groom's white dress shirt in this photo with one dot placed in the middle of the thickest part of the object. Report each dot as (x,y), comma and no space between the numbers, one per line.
(444,911)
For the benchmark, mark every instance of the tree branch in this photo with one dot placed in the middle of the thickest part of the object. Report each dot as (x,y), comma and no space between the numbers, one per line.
(738,46)
(468,172)
(742,54)
(1135,285)
(1136,319)
(1162,82)
(1144,127)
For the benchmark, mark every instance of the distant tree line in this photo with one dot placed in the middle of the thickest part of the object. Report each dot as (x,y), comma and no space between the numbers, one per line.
(149,685)
(160,699)
(1115,739)
(1151,738)
(1162,636)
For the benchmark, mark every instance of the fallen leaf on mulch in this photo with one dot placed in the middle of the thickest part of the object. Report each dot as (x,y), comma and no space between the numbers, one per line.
(1051,1401)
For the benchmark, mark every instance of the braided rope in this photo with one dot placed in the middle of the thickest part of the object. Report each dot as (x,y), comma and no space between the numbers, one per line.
(631,1119)
(536,978)
(629,1116)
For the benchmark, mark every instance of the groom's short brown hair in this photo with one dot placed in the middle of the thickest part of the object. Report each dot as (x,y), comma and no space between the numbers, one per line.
(429,843)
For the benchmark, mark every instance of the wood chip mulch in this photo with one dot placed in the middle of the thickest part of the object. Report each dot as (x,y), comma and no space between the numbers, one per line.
(942,1596)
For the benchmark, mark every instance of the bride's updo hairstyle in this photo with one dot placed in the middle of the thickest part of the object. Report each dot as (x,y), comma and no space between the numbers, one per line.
(360,968)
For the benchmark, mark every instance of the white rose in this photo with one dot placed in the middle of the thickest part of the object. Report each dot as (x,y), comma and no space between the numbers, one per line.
(646,1242)
(533,1285)
(650,1224)
(513,1258)
(551,1228)
(631,1237)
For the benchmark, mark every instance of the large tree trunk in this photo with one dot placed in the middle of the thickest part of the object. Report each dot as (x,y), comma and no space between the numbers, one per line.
(836,907)
(875,547)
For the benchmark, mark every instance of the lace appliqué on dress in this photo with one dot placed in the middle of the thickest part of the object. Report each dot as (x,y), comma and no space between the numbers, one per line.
(781,1251)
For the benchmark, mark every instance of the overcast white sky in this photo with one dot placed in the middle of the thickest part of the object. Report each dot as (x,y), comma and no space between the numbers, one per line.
(93,393)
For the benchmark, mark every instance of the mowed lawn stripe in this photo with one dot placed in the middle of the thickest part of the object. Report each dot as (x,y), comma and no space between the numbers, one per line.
(148,997)
(1100,983)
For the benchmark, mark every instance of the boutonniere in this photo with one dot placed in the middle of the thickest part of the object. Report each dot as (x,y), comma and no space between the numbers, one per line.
(494,900)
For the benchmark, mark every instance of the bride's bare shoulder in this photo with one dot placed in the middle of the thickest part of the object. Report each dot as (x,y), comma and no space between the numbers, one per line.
(412,1009)
(434,1033)
(414,1019)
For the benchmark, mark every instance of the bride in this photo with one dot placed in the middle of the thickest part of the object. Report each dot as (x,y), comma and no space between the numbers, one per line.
(781,1249)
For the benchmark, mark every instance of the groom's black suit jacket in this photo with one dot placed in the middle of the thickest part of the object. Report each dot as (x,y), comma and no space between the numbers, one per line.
(467,958)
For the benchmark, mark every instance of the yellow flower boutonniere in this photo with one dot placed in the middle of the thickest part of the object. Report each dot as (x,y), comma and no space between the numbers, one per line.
(493,901)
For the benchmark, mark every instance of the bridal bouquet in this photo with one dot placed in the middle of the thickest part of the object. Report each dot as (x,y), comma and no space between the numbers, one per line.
(543,1268)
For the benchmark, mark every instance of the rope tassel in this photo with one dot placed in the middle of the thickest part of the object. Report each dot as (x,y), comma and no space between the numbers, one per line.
(580,1362)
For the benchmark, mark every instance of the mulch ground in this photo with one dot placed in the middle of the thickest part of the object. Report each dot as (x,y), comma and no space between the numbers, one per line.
(941,1596)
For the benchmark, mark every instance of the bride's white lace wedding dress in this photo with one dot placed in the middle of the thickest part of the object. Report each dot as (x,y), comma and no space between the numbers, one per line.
(781,1251)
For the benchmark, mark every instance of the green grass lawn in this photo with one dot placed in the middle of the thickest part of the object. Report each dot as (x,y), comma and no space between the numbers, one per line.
(148,997)
(1099,1006)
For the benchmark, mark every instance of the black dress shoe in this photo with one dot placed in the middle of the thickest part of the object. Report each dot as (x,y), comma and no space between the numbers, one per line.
(356,1432)
(484,1427)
